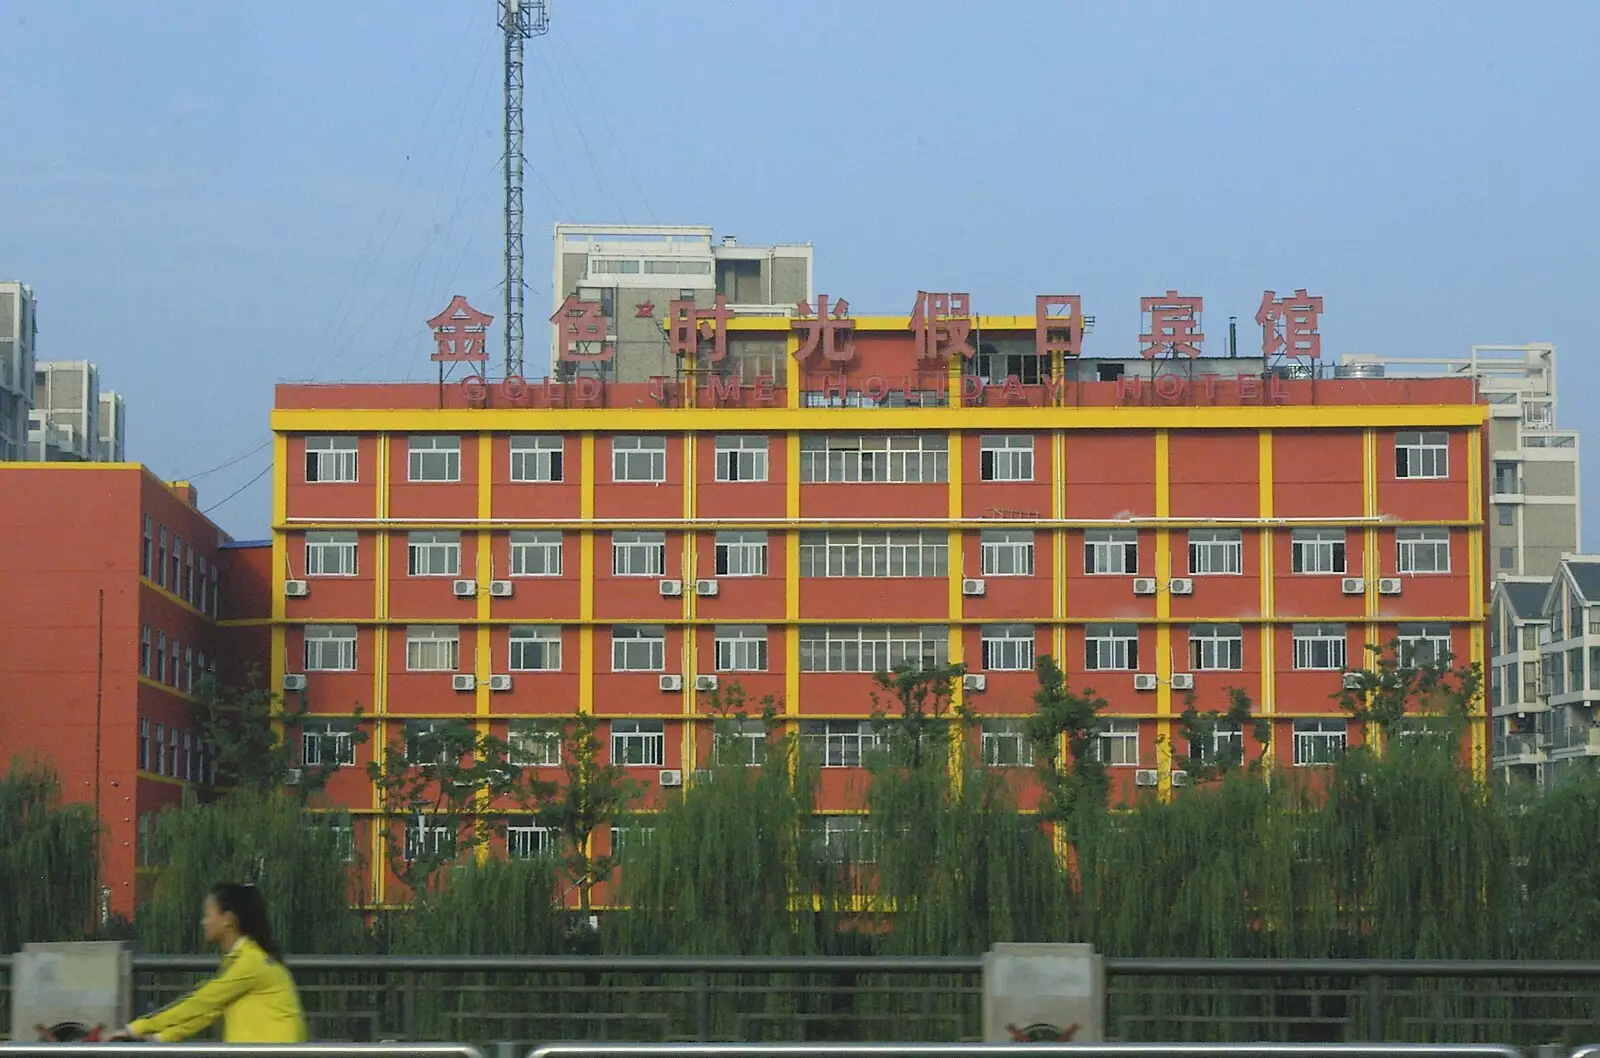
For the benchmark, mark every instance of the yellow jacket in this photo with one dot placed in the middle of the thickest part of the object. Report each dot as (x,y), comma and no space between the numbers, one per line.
(253,994)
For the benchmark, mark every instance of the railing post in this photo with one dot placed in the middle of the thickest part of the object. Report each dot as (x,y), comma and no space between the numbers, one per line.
(408,1007)
(702,1006)
(1375,1008)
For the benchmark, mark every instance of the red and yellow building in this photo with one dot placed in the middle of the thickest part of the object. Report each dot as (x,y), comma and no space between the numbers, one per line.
(1155,525)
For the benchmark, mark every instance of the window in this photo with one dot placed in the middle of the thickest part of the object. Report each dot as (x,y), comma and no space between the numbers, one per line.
(144,744)
(199,600)
(1555,674)
(1319,647)
(638,459)
(638,648)
(535,648)
(625,836)
(529,841)
(838,743)
(1117,745)
(1318,741)
(175,585)
(147,552)
(434,458)
(741,553)
(1424,644)
(1005,457)
(1111,551)
(188,575)
(330,554)
(1507,513)
(423,744)
(1505,478)
(433,648)
(326,744)
(535,743)
(536,458)
(843,840)
(1216,648)
(1008,648)
(161,749)
(1215,551)
(1508,558)
(144,650)
(874,457)
(1318,551)
(1530,637)
(331,459)
(741,648)
(172,661)
(426,841)
(741,458)
(1005,744)
(638,554)
(1421,455)
(740,743)
(879,648)
(536,553)
(1007,552)
(1422,550)
(1594,668)
(433,554)
(1224,747)
(1511,680)
(161,657)
(638,743)
(161,558)
(341,831)
(188,669)
(330,648)
(1111,648)
(214,594)
(188,756)
(909,553)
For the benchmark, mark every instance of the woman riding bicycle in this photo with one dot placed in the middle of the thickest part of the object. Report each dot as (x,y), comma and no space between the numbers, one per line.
(253,994)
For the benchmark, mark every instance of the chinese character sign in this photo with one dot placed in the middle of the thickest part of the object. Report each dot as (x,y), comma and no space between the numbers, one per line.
(459,332)
(1058,324)
(829,334)
(687,323)
(583,331)
(941,325)
(1289,325)
(1174,325)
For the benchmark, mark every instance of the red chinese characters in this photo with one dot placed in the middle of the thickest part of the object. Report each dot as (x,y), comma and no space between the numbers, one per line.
(1289,325)
(459,332)
(1174,325)
(1058,326)
(832,335)
(687,323)
(583,332)
(941,325)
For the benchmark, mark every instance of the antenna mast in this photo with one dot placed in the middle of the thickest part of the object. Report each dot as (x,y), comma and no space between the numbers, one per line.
(520,19)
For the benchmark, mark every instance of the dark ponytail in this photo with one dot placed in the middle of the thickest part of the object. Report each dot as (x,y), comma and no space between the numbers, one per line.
(246,904)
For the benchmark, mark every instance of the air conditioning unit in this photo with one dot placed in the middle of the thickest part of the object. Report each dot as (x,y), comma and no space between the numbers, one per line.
(1388,585)
(670,683)
(705,683)
(1180,778)
(500,589)
(1354,680)
(1353,585)
(1144,585)
(296,589)
(706,587)
(972,586)
(294,681)
(975,681)
(463,681)
(465,589)
(1183,681)
(501,682)
(1145,681)
(671,588)
(1180,586)
(1146,777)
(291,777)
(671,777)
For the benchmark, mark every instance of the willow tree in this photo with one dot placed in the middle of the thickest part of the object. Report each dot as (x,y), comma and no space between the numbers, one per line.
(253,736)
(48,851)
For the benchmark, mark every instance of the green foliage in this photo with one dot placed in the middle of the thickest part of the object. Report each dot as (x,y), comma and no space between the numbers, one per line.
(47,859)
(254,735)
(1076,785)
(1209,758)
(593,792)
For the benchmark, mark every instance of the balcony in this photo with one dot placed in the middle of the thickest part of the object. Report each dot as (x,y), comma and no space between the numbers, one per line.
(1519,749)
(1576,740)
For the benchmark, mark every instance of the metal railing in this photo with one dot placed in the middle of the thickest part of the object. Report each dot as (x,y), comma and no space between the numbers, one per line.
(280,1050)
(1575,736)
(1024,1050)
(530,1000)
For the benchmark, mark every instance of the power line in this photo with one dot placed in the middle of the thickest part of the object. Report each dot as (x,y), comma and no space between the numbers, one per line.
(235,492)
(224,466)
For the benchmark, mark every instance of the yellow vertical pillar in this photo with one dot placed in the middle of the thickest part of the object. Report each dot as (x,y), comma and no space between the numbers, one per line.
(690,567)
(380,666)
(791,574)
(1162,571)
(1371,563)
(586,659)
(956,571)
(483,650)
(1476,590)
(1267,706)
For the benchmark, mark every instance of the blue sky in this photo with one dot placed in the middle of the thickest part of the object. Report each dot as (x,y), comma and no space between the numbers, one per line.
(208,197)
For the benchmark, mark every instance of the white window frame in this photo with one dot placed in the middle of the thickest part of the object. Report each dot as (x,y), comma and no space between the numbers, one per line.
(534,743)
(1216,647)
(327,744)
(875,458)
(842,743)
(741,648)
(1215,552)
(328,554)
(433,553)
(1319,552)
(433,458)
(872,648)
(628,642)
(1005,457)
(538,458)
(438,838)
(1006,552)
(1116,744)
(534,648)
(1424,644)
(740,553)
(1422,551)
(1111,647)
(741,457)
(638,553)
(144,743)
(638,743)
(161,749)
(536,553)
(740,742)
(905,553)
(330,648)
(845,839)
(624,835)
(638,458)
(433,648)
(1318,743)
(1005,744)
(332,460)
(1421,455)
(1008,647)
(530,841)
(1111,552)
(1227,741)
(1320,647)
